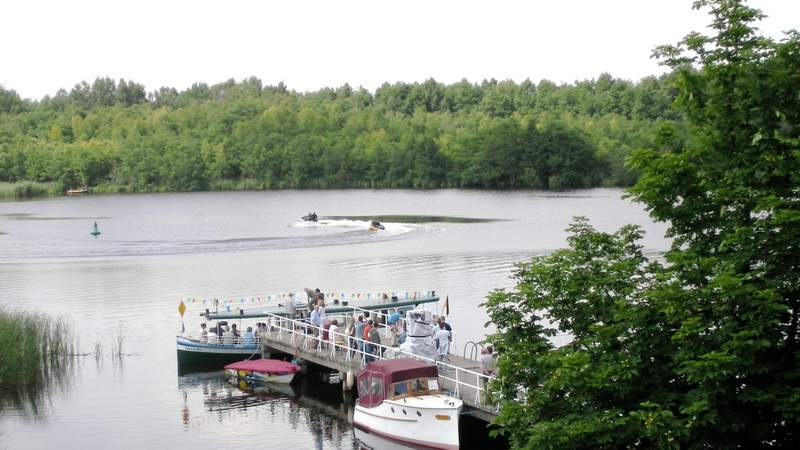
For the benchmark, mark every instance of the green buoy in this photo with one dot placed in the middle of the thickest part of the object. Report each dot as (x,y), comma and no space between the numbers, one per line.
(94,231)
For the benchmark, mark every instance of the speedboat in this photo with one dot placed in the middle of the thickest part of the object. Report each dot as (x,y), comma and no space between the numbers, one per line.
(263,371)
(310,217)
(375,226)
(402,400)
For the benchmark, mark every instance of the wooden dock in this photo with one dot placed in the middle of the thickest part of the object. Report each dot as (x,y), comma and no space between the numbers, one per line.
(459,380)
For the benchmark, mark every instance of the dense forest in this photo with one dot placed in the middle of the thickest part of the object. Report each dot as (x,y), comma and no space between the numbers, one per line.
(114,136)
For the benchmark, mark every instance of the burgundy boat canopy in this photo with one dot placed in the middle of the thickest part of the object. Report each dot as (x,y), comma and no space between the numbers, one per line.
(376,377)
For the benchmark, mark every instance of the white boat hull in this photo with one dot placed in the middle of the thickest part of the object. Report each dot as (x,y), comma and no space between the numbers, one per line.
(428,421)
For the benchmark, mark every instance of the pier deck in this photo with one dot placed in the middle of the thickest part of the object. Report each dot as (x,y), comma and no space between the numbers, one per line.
(460,378)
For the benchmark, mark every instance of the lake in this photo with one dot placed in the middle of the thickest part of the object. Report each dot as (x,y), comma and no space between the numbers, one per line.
(157,249)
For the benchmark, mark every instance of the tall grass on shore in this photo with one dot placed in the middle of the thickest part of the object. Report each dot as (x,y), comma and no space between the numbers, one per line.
(27,189)
(37,355)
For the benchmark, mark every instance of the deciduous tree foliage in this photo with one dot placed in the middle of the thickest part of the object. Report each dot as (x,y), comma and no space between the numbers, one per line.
(702,352)
(112,136)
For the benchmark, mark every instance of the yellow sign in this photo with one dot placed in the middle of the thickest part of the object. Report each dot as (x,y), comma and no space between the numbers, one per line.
(181,308)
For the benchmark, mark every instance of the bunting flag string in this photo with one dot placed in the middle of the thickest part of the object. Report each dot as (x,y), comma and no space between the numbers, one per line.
(269,298)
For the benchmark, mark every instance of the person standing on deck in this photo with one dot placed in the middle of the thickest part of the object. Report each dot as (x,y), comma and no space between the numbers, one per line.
(315,321)
(335,335)
(375,339)
(442,337)
(358,333)
(487,361)
(310,301)
(291,308)
(447,327)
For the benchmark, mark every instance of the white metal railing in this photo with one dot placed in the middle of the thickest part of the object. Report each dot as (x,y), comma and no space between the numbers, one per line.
(311,335)
(224,341)
(387,328)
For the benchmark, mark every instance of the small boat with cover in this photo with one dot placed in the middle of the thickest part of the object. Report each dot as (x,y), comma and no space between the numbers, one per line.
(263,371)
(401,399)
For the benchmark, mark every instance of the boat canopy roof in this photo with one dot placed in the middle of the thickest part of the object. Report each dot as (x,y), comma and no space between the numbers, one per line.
(330,309)
(401,369)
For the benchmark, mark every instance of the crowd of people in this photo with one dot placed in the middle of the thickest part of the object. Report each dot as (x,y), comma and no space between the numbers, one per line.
(224,334)
(359,334)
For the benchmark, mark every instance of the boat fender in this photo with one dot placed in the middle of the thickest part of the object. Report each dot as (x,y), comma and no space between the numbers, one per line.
(350,379)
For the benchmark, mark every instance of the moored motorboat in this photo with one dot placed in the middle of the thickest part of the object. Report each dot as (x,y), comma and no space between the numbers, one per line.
(263,370)
(78,191)
(401,399)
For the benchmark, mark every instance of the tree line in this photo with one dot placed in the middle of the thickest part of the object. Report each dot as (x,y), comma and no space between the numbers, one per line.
(114,136)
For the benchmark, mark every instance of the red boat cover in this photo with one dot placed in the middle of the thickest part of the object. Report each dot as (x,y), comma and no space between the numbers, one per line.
(275,366)
(394,370)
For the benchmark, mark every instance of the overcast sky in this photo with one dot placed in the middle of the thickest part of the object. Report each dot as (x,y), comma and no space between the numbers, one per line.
(47,45)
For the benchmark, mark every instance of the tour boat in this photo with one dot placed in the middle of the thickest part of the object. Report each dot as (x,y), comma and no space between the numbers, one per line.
(193,350)
(263,370)
(401,399)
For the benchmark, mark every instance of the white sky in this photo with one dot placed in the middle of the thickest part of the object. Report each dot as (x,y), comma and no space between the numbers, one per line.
(308,44)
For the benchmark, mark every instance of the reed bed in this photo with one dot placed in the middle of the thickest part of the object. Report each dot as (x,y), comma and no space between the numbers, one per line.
(27,189)
(36,349)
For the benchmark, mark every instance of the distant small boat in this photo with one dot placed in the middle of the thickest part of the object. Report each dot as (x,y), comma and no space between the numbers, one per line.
(310,217)
(95,231)
(263,370)
(376,226)
(78,191)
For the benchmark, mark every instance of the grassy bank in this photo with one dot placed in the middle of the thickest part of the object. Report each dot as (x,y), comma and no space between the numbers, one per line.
(27,189)
(36,349)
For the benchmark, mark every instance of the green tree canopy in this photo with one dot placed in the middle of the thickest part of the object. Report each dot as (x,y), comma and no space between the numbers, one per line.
(702,352)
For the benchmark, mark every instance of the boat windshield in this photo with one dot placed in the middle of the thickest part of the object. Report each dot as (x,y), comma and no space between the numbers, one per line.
(415,387)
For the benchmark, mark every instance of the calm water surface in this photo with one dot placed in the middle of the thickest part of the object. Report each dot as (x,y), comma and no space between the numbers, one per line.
(155,250)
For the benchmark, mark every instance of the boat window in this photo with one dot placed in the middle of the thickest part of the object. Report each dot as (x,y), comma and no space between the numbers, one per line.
(418,387)
(363,387)
(400,389)
(377,387)
(433,385)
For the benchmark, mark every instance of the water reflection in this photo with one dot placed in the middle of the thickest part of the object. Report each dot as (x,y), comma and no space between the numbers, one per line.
(209,400)
(32,401)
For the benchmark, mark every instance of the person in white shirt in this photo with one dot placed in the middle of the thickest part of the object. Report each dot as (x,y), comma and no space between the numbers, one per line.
(203,333)
(442,337)
(332,333)
(228,338)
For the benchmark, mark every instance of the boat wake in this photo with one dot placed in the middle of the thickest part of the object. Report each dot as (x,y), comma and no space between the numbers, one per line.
(326,233)
(391,229)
